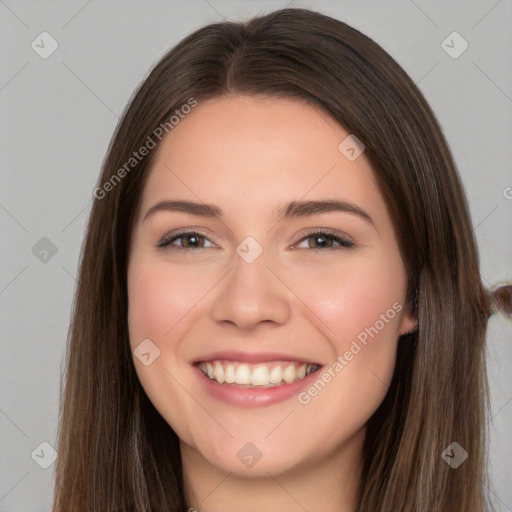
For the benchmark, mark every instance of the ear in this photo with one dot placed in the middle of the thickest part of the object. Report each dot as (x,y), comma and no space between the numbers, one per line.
(409,321)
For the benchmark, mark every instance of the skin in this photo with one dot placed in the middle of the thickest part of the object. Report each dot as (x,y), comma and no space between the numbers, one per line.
(250,155)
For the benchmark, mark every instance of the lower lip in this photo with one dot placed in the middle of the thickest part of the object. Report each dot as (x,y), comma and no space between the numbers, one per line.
(252,397)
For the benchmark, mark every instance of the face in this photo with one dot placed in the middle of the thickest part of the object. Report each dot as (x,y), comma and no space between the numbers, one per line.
(263,255)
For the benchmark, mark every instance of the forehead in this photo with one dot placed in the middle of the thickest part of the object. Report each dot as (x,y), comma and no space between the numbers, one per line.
(255,152)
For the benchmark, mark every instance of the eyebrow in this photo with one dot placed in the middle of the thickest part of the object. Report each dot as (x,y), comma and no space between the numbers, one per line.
(290,210)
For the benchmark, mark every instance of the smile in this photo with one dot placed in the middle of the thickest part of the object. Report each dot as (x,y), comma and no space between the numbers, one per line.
(262,375)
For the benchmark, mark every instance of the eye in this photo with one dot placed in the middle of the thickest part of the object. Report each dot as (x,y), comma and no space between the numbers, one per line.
(323,241)
(189,241)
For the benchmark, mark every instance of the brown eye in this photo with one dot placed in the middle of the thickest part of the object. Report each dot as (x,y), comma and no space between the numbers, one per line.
(321,240)
(190,240)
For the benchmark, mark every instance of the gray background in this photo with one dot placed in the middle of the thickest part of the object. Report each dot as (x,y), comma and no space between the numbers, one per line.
(58,115)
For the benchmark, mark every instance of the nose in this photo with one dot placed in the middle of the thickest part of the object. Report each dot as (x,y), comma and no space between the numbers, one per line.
(251,294)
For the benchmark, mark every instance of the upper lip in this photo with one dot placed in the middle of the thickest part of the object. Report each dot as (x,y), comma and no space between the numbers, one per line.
(252,357)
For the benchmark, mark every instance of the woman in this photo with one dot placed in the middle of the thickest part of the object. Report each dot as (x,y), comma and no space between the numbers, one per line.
(279,304)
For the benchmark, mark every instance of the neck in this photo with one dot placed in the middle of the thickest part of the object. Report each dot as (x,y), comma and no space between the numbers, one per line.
(329,484)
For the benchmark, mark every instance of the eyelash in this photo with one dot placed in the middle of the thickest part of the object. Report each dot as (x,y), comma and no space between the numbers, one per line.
(168,239)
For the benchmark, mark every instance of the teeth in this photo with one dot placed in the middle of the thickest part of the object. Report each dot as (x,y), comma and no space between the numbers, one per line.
(243,374)
(229,373)
(289,374)
(209,370)
(276,375)
(262,375)
(218,372)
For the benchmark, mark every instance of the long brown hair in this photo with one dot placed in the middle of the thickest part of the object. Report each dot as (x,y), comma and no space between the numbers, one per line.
(116,453)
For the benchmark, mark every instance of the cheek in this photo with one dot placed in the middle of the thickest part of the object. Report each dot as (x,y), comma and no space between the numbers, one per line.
(350,299)
(157,301)
(146,304)
(158,311)
(361,309)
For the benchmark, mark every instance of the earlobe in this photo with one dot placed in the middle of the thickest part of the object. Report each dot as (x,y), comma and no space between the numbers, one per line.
(409,323)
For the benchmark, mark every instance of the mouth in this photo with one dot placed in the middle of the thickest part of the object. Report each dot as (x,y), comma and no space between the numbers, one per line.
(256,376)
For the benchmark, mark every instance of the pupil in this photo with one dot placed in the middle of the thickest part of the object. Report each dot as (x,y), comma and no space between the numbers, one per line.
(190,238)
(322,240)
